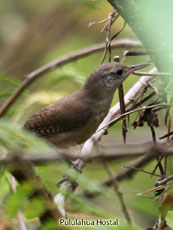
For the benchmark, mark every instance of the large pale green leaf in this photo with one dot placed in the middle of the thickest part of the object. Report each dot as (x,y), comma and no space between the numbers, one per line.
(15,139)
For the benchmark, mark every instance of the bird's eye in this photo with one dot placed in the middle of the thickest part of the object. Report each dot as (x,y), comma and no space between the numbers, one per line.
(119,72)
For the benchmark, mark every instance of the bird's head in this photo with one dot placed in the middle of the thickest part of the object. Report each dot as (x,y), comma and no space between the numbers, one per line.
(108,77)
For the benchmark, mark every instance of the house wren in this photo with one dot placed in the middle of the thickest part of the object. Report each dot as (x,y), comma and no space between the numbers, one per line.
(73,119)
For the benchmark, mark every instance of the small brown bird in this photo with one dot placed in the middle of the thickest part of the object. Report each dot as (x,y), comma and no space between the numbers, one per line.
(73,119)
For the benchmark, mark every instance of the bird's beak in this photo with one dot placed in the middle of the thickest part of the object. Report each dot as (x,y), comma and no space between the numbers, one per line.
(132,68)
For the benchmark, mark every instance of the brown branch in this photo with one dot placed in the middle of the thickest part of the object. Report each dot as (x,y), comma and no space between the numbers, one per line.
(123,110)
(120,196)
(159,164)
(59,62)
(159,74)
(125,173)
(135,53)
(108,153)
(134,111)
(99,22)
(166,135)
(155,89)
(144,171)
(108,27)
(132,150)
(42,159)
(36,159)
(128,173)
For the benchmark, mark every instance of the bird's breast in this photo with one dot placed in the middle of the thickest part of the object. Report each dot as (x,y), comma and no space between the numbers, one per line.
(101,111)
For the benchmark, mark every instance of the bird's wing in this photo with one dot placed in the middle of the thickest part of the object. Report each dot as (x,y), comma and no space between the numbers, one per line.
(55,118)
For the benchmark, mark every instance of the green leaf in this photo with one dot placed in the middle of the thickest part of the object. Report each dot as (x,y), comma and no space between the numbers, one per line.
(15,139)
(4,185)
(169,219)
(145,205)
(18,201)
(9,80)
(35,208)
(69,72)
(91,4)
(6,94)
(50,225)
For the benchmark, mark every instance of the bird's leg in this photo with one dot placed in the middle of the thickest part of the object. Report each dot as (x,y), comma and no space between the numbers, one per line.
(66,186)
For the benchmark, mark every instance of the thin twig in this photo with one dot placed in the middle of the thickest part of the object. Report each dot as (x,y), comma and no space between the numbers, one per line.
(135,53)
(159,164)
(114,18)
(133,111)
(123,110)
(137,103)
(107,19)
(112,38)
(166,135)
(142,170)
(127,173)
(99,22)
(153,134)
(60,62)
(169,129)
(124,174)
(110,17)
(154,88)
(108,152)
(159,74)
(120,195)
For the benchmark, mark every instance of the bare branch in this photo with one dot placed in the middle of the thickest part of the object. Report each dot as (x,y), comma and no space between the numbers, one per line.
(120,196)
(111,18)
(128,173)
(125,173)
(162,105)
(123,110)
(60,62)
(108,152)
(159,74)
(135,53)
(144,171)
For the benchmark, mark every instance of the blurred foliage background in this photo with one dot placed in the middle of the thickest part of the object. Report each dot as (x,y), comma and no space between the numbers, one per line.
(32,33)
